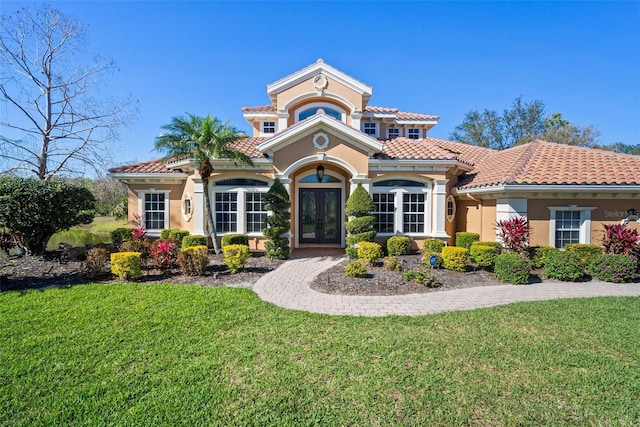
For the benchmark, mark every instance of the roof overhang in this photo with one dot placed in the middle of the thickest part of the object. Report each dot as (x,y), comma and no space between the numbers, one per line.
(258,165)
(410,165)
(141,178)
(627,191)
(314,124)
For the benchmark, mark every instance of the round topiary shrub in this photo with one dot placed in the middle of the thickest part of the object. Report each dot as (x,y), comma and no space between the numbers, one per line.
(398,245)
(369,252)
(391,263)
(432,245)
(426,259)
(563,265)
(360,225)
(613,268)
(455,258)
(356,268)
(512,268)
(484,255)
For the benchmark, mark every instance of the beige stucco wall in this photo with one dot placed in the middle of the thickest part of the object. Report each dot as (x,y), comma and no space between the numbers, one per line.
(175,197)
(476,217)
(304,88)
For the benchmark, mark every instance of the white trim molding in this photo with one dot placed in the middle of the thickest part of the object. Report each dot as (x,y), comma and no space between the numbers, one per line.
(585,222)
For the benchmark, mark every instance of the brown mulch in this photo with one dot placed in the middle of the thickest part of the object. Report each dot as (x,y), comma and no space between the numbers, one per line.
(380,281)
(37,272)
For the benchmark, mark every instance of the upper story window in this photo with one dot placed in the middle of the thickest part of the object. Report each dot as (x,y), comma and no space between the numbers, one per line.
(309,110)
(268,127)
(313,110)
(370,128)
(393,133)
(413,133)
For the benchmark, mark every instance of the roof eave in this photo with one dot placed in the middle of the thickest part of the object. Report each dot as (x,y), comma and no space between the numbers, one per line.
(573,188)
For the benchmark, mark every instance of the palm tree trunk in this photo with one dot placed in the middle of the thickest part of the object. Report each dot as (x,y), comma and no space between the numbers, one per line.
(209,214)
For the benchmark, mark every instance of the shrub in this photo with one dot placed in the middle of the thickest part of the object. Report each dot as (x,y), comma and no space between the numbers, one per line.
(360,225)
(619,239)
(465,239)
(193,260)
(370,252)
(7,241)
(484,255)
(617,268)
(423,277)
(359,203)
(277,201)
(398,245)
(496,245)
(427,256)
(584,254)
(235,257)
(139,233)
(95,263)
(563,265)
(141,246)
(455,258)
(432,245)
(126,265)
(538,255)
(514,233)
(178,235)
(164,234)
(121,234)
(356,268)
(235,239)
(37,209)
(165,253)
(512,268)
(391,263)
(189,241)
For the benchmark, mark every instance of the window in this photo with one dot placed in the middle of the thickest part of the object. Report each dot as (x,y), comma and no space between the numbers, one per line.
(269,127)
(314,179)
(413,133)
(238,205)
(154,211)
(451,208)
(393,133)
(226,212)
(385,212)
(569,224)
(256,214)
(313,110)
(371,128)
(187,207)
(413,213)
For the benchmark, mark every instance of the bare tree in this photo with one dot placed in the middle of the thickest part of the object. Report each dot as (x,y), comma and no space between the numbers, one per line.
(55,120)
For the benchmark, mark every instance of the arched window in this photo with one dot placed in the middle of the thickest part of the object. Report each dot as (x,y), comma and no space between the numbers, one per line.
(309,110)
(314,179)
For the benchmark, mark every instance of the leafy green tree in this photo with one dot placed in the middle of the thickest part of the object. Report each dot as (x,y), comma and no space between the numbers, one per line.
(360,225)
(277,201)
(202,139)
(37,209)
(620,147)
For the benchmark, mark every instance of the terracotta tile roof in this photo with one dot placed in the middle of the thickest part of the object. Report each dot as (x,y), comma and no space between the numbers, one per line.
(467,153)
(402,148)
(415,116)
(383,110)
(259,109)
(248,146)
(541,162)
(150,166)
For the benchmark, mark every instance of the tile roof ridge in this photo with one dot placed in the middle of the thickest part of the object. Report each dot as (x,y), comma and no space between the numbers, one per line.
(529,151)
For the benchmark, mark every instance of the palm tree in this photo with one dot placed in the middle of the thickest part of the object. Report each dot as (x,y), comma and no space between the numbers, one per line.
(202,139)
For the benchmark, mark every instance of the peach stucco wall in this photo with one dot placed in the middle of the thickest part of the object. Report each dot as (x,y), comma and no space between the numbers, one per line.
(175,196)
(476,217)
(304,88)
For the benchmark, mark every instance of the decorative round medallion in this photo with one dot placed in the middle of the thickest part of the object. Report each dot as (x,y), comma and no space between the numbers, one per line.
(320,140)
(320,82)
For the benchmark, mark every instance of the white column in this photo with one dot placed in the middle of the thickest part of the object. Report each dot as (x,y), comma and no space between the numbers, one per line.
(439,209)
(283,116)
(355,119)
(198,207)
(510,208)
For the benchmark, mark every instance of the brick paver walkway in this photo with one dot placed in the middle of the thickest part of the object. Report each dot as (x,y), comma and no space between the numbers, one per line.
(289,287)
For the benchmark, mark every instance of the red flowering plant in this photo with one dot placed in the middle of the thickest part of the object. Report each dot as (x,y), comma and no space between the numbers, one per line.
(619,239)
(140,233)
(165,253)
(514,233)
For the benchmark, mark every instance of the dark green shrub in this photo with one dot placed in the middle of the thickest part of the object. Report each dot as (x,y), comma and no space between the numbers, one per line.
(121,234)
(484,255)
(512,268)
(189,241)
(235,239)
(465,239)
(584,254)
(391,263)
(426,257)
(455,258)
(433,245)
(563,265)
(369,252)
(356,268)
(277,201)
(37,209)
(164,234)
(141,246)
(360,225)
(193,260)
(398,245)
(359,203)
(178,235)
(126,265)
(236,257)
(616,268)
(538,255)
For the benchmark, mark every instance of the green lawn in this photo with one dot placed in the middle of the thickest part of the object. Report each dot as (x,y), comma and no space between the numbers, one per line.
(184,355)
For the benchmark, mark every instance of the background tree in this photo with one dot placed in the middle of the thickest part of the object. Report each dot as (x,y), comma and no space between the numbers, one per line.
(58,123)
(277,201)
(202,139)
(37,209)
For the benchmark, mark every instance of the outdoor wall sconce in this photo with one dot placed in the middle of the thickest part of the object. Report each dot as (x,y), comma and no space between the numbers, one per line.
(320,172)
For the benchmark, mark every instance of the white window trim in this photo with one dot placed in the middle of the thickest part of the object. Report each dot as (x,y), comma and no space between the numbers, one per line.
(241,223)
(585,222)
(376,134)
(398,219)
(410,129)
(304,107)
(262,128)
(394,128)
(141,211)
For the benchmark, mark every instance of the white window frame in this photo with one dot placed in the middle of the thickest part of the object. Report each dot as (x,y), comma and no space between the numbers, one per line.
(410,130)
(399,192)
(394,129)
(376,129)
(265,127)
(304,107)
(153,232)
(585,222)
(241,212)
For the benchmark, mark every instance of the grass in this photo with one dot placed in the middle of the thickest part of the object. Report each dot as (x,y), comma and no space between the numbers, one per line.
(187,355)
(96,232)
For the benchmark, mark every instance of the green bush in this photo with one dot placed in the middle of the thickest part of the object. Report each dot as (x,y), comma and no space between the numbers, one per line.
(512,268)
(235,257)
(538,255)
(164,234)
(422,277)
(235,239)
(563,265)
(465,239)
(360,225)
(484,255)
(141,246)
(455,258)
(391,263)
(126,265)
(370,252)
(585,254)
(398,245)
(356,268)
(616,268)
(497,245)
(426,256)
(277,201)
(359,203)
(433,245)
(193,260)
(189,241)
(95,263)
(121,234)
(354,240)
(178,235)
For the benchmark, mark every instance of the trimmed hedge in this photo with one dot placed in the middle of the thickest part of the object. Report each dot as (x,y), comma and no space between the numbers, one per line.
(512,268)
(178,235)
(193,260)
(465,239)
(538,255)
(484,255)
(432,245)
(616,268)
(427,256)
(370,252)
(584,254)
(235,239)
(455,258)
(398,245)
(189,241)
(235,257)
(121,234)
(126,265)
(496,245)
(563,265)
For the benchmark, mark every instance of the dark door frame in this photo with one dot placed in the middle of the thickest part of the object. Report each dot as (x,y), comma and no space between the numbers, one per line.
(321,215)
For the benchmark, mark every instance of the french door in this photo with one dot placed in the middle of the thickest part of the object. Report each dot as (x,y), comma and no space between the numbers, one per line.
(319,216)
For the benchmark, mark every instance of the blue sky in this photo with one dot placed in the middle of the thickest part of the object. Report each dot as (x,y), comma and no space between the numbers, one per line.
(581,58)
